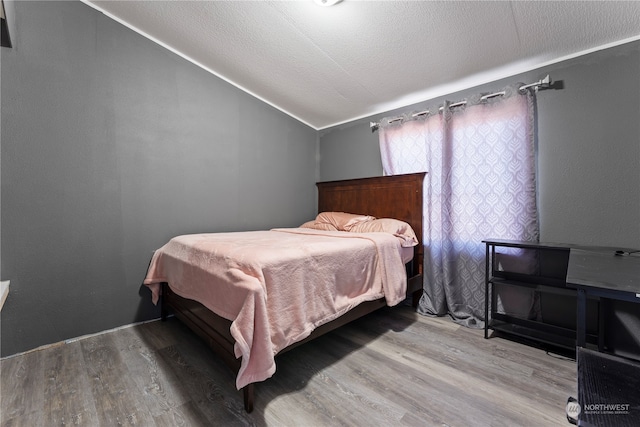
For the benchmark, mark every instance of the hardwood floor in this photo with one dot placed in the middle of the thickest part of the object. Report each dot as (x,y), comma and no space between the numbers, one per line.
(393,367)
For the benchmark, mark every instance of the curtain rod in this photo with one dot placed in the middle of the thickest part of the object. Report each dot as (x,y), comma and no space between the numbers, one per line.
(540,84)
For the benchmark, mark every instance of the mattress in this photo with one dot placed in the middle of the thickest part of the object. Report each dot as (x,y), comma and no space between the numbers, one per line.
(277,286)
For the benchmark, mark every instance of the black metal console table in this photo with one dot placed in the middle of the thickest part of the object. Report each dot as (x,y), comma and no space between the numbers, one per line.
(544,273)
(604,273)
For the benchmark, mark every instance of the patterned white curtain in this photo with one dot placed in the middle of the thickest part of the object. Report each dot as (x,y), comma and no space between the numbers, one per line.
(480,184)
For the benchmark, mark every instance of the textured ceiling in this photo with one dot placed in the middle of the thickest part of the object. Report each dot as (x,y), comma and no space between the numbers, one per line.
(329,65)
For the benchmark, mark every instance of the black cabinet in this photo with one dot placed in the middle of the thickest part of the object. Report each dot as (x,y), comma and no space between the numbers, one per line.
(526,294)
(607,390)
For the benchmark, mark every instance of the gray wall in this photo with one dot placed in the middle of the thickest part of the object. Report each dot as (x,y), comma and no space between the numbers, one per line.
(588,147)
(110,146)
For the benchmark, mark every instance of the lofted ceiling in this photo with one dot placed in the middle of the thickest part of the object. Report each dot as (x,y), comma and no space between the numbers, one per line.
(330,65)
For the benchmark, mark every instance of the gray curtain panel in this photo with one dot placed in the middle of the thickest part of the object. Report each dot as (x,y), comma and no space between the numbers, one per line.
(481,183)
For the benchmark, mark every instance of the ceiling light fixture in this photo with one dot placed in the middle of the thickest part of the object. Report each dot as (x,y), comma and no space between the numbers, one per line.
(326,3)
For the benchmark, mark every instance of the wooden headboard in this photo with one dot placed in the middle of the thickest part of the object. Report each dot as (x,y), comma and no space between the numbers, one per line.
(394,196)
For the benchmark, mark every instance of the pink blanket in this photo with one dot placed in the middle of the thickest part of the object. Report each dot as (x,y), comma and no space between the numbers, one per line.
(277,286)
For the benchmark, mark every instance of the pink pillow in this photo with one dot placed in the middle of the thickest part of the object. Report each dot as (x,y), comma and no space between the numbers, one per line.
(396,227)
(318,226)
(341,220)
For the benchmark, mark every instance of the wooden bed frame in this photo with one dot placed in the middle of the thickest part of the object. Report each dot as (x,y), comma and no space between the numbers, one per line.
(398,196)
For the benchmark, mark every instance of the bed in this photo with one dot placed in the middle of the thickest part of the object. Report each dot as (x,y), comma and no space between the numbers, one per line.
(247,329)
